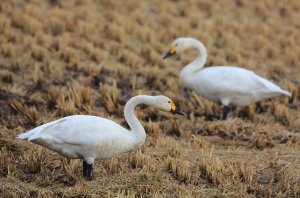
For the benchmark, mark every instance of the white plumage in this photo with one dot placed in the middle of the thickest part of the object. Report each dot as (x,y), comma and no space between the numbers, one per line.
(224,85)
(90,137)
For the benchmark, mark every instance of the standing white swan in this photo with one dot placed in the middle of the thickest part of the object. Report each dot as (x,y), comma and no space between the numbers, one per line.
(224,85)
(90,137)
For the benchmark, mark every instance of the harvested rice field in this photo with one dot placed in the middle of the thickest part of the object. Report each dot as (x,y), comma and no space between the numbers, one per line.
(89,57)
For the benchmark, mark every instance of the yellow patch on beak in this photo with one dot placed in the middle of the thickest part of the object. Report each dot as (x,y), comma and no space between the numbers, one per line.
(173,107)
(172,50)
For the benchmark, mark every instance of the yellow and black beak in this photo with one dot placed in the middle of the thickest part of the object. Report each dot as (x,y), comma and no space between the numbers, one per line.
(171,52)
(174,109)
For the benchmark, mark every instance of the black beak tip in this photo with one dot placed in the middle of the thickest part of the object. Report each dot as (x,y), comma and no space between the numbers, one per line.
(168,55)
(178,111)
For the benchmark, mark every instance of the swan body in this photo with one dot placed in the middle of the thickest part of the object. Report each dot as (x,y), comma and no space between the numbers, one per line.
(91,137)
(224,85)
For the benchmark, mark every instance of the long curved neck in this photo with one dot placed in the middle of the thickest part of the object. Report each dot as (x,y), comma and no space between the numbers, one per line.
(189,70)
(138,131)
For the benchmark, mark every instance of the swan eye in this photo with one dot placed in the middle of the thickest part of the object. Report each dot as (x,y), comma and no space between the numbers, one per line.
(169,101)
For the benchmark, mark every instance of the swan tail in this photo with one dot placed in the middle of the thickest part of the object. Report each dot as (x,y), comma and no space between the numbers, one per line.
(271,86)
(286,93)
(27,136)
(34,133)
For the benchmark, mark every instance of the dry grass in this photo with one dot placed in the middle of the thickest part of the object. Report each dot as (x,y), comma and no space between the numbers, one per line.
(59,58)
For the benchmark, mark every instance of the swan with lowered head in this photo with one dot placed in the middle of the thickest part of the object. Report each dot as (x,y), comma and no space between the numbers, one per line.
(224,85)
(91,137)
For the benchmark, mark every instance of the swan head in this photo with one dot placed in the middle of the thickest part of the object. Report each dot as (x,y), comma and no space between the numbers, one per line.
(165,104)
(178,45)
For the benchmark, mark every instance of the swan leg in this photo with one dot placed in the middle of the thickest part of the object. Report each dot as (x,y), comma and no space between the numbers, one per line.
(85,168)
(226,110)
(89,170)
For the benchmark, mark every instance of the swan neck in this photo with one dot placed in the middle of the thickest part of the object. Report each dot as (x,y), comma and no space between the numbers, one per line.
(138,131)
(192,68)
(200,61)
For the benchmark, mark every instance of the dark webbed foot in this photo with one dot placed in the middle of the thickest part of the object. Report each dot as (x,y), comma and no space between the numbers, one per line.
(226,110)
(87,169)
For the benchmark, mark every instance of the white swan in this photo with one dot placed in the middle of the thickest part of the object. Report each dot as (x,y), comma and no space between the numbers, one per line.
(224,85)
(90,137)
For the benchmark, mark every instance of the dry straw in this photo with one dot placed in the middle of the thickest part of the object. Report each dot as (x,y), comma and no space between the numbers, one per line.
(87,57)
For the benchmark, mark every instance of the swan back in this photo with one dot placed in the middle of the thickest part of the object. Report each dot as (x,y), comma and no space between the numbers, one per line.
(234,86)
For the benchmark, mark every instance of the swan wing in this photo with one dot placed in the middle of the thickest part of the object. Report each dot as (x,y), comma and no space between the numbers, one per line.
(266,86)
(77,130)
(233,84)
(233,80)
